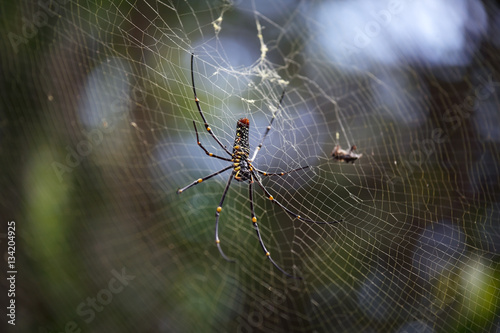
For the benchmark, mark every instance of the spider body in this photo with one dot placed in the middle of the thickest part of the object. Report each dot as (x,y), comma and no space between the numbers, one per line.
(241,151)
(242,171)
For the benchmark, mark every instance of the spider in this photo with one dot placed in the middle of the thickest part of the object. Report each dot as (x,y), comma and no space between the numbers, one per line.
(346,156)
(242,170)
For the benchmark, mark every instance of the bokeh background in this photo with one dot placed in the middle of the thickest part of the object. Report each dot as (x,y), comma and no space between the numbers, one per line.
(96,136)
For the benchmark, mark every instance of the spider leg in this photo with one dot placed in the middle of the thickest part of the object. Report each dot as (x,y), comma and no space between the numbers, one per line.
(199,180)
(217,213)
(207,127)
(264,173)
(256,227)
(205,150)
(267,130)
(297,216)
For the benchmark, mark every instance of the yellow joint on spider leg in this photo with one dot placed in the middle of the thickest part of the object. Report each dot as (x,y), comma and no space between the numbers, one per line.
(199,180)
(209,129)
(254,219)
(219,209)
(217,241)
(271,197)
(268,254)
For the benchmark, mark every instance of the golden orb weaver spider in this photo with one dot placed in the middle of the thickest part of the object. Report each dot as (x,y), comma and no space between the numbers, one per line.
(243,171)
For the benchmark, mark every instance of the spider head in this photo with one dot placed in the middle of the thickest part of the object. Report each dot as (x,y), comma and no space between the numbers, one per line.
(244,122)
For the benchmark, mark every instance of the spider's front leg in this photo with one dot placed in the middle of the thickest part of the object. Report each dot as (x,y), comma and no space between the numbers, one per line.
(268,129)
(197,101)
(204,149)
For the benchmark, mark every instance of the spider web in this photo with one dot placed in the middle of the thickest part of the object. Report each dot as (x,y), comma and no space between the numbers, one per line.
(101,95)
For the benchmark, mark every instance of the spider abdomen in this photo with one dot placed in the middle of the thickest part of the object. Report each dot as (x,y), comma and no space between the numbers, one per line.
(241,150)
